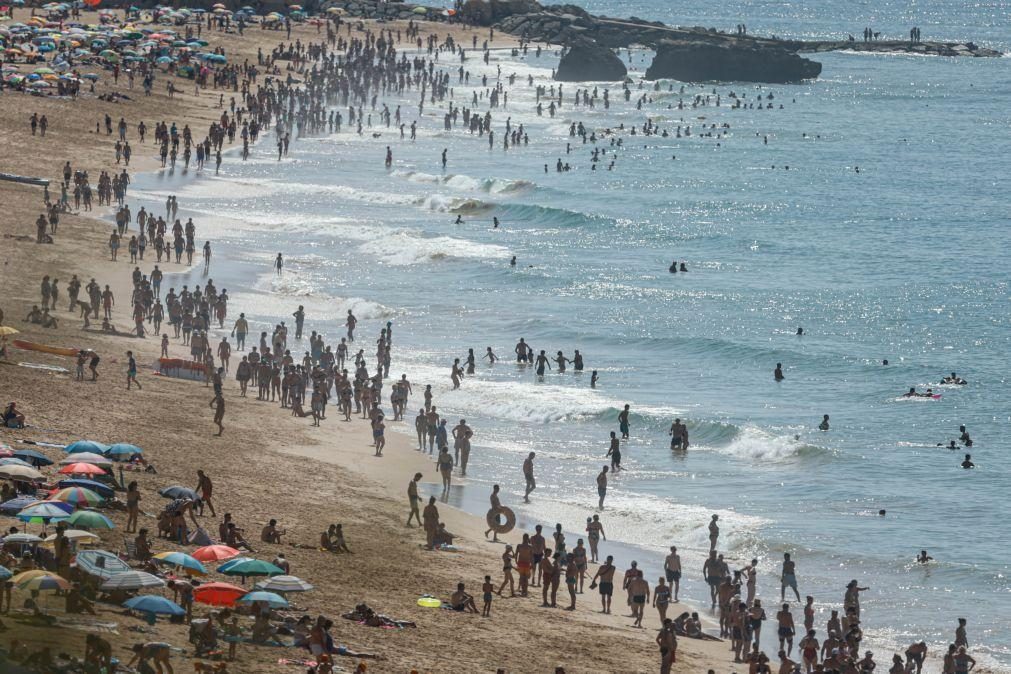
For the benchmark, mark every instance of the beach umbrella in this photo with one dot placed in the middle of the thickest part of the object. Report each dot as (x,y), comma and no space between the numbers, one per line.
(284,584)
(5,573)
(20,473)
(7,331)
(89,519)
(102,490)
(121,449)
(131,580)
(11,461)
(28,575)
(43,512)
(82,469)
(272,600)
(87,457)
(182,560)
(18,504)
(24,539)
(245,566)
(101,563)
(92,446)
(46,581)
(79,535)
(218,594)
(420,10)
(214,553)
(179,492)
(78,496)
(33,457)
(154,605)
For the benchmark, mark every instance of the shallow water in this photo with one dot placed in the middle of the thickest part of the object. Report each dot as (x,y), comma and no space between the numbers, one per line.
(904,260)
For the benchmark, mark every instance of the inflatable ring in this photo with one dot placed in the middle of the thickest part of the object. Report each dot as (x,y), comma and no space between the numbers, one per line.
(430,602)
(501,522)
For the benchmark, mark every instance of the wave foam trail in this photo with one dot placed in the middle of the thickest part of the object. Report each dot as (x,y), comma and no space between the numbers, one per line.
(404,248)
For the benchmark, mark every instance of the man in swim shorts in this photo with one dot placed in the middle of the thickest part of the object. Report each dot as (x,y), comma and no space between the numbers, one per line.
(605,574)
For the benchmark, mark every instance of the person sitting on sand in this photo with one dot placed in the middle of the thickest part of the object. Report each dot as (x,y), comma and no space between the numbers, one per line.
(337,541)
(442,537)
(461,601)
(271,534)
(365,615)
(12,418)
(234,539)
(142,547)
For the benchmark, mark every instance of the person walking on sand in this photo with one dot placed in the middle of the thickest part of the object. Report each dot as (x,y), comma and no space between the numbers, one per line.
(131,371)
(528,475)
(218,403)
(414,499)
(205,488)
(493,514)
(601,487)
(638,590)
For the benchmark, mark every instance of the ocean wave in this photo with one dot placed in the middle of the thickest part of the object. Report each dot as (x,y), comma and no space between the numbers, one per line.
(755,444)
(464,182)
(400,248)
(458,205)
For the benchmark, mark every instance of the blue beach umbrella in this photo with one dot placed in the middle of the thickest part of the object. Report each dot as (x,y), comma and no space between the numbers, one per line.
(16,505)
(43,512)
(86,446)
(33,457)
(180,559)
(272,600)
(122,449)
(5,573)
(155,605)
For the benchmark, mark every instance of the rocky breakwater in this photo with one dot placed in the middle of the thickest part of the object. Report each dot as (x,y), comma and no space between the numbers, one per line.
(702,62)
(588,61)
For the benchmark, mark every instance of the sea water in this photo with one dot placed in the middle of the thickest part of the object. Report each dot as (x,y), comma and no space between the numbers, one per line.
(886,238)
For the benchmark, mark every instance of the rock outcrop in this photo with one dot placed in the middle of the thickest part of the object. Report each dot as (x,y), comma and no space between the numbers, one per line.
(700,62)
(588,61)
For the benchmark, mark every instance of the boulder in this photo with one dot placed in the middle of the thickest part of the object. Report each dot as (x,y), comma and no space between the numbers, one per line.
(707,62)
(587,61)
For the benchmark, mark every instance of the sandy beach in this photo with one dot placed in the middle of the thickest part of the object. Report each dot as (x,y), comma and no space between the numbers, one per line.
(267,464)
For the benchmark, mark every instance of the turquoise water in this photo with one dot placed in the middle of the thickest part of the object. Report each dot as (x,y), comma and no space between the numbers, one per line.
(903,260)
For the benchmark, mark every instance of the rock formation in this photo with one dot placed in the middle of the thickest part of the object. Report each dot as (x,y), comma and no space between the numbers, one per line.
(701,62)
(587,61)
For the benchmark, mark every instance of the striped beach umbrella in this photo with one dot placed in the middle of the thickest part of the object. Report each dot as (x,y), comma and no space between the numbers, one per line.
(131,580)
(102,564)
(282,584)
(89,519)
(78,496)
(47,581)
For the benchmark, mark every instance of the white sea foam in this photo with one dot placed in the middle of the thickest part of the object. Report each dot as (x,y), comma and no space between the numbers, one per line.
(403,247)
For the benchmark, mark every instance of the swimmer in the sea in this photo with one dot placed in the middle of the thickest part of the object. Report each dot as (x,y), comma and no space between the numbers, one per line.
(923,557)
(954,379)
(512,262)
(823,426)
(494,223)
(593,379)
(800,332)
(778,374)
(964,438)
(459,220)
(678,435)
(967,464)
(673,267)
(490,355)
(683,267)
(913,393)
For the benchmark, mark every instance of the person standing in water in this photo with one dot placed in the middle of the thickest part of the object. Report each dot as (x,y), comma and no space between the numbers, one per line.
(778,374)
(714,532)
(623,422)
(542,361)
(614,451)
(351,323)
(278,264)
(601,487)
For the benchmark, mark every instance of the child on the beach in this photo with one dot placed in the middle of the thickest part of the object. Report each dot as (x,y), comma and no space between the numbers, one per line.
(233,635)
(487,588)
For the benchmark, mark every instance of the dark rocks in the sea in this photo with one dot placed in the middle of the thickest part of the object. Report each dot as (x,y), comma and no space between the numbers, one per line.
(702,62)
(587,61)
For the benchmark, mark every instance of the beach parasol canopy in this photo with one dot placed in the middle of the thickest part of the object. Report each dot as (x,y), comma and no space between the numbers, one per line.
(20,473)
(16,505)
(22,538)
(92,446)
(43,512)
(155,605)
(78,535)
(131,580)
(181,560)
(6,330)
(89,519)
(214,553)
(102,490)
(78,496)
(48,581)
(122,449)
(82,469)
(179,492)
(33,457)
(11,461)
(87,457)
(218,594)
(100,563)
(245,566)
(284,584)
(272,600)
(5,573)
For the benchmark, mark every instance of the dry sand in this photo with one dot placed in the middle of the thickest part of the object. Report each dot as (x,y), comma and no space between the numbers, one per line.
(267,464)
